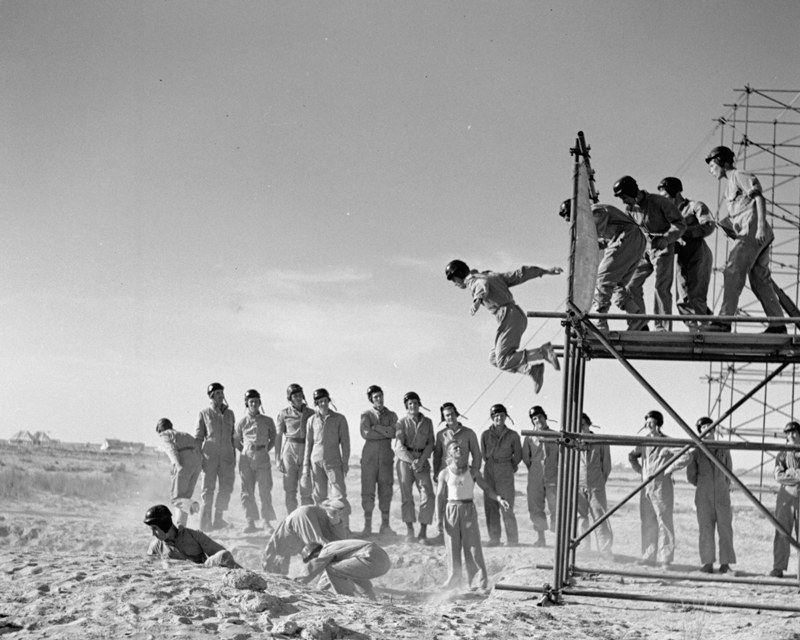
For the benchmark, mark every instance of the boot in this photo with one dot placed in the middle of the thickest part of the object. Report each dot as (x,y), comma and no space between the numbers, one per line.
(367,525)
(540,541)
(219,523)
(386,529)
(410,532)
(250,528)
(707,568)
(536,371)
(436,541)
(423,533)
(550,355)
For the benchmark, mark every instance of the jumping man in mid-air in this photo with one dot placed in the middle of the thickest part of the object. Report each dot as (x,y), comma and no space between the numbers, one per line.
(491,290)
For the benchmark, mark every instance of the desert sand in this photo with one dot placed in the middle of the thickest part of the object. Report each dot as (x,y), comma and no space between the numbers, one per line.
(72,565)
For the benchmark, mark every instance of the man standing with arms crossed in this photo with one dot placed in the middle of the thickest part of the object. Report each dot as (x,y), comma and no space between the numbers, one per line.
(414,445)
(541,458)
(595,467)
(290,445)
(215,435)
(378,427)
(787,473)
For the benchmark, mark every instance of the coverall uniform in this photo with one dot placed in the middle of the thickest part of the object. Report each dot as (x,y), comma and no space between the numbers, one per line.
(492,290)
(292,443)
(595,467)
(624,245)
(378,428)
(695,260)
(187,462)
(657,502)
(712,497)
(502,453)
(415,441)
(541,458)
(304,525)
(254,437)
(746,257)
(787,473)
(327,452)
(215,433)
(461,529)
(347,564)
(196,546)
(660,221)
(468,440)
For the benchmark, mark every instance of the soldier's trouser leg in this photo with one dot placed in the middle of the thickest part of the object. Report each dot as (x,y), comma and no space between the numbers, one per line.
(693,277)
(405,478)
(502,482)
(338,490)
(490,507)
(746,257)
(582,507)
(536,498)
(319,482)
(385,476)
(649,527)
(247,476)
(506,354)
(785,514)
(598,505)
(184,482)
(369,475)
(227,475)
(706,518)
(724,520)
(264,483)
(464,518)
(636,285)
(372,563)
(616,269)
(210,470)
(452,542)
(550,496)
(662,498)
(664,263)
(293,478)
(427,499)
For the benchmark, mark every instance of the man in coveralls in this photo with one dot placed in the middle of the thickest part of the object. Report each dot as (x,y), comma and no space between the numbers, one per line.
(187,461)
(502,453)
(541,458)
(327,453)
(254,437)
(349,566)
(695,259)
(595,467)
(623,246)
(712,498)
(491,290)
(663,225)
(787,473)
(215,434)
(414,445)
(290,445)
(746,224)
(378,428)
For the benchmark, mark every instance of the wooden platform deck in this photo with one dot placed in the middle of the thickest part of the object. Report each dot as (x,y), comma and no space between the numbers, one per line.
(704,347)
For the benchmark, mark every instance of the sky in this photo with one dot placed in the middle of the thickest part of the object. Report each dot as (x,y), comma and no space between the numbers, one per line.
(263,193)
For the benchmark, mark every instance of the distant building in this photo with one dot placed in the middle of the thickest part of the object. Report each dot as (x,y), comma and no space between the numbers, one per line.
(112,444)
(40,437)
(23,437)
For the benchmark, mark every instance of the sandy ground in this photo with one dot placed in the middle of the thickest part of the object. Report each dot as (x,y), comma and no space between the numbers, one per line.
(73,567)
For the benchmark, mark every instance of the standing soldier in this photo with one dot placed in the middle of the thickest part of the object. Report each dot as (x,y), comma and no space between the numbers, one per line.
(695,260)
(470,452)
(541,458)
(746,224)
(289,447)
(378,428)
(254,437)
(595,468)
(787,473)
(712,498)
(491,290)
(187,461)
(414,445)
(327,453)
(215,434)
(502,453)
(663,226)
(623,246)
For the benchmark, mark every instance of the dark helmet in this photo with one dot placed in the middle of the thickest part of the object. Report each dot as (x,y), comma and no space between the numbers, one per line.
(251,393)
(448,405)
(791,426)
(585,417)
(310,551)
(411,395)
(373,388)
(565,209)
(321,393)
(292,389)
(157,515)
(655,415)
(214,386)
(536,410)
(703,422)
(723,155)
(671,186)
(456,269)
(626,186)
(497,408)
(163,425)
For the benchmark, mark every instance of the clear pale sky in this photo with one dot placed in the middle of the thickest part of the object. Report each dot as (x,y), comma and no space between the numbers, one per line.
(261,193)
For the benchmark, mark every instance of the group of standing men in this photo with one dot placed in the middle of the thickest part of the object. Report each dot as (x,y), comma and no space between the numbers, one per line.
(656,229)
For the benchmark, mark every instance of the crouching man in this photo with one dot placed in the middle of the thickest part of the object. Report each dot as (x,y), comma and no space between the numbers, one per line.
(348,564)
(180,543)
